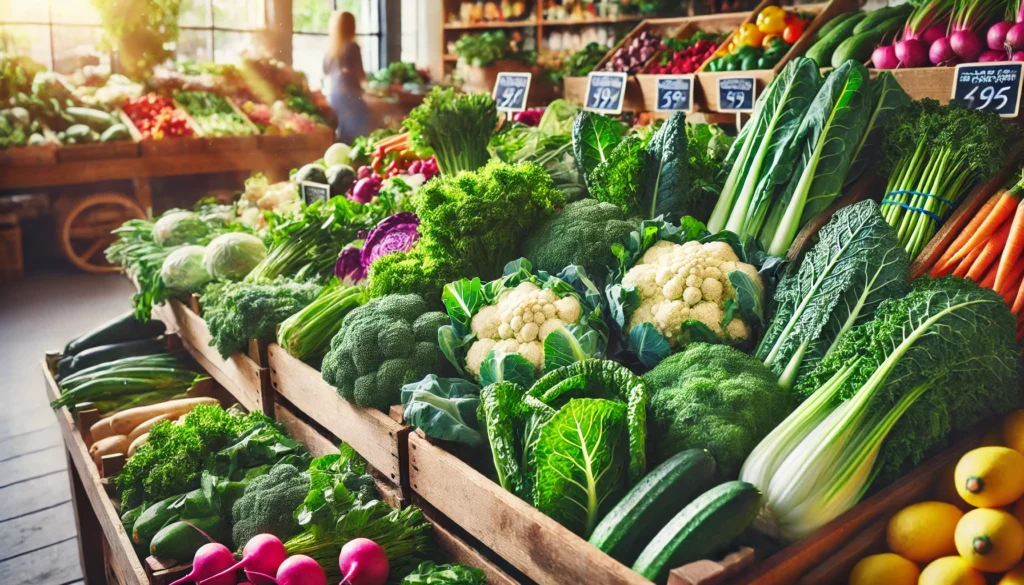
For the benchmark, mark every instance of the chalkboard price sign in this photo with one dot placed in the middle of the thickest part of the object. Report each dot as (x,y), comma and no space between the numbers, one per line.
(736,94)
(511,91)
(675,93)
(606,91)
(991,87)
(313,192)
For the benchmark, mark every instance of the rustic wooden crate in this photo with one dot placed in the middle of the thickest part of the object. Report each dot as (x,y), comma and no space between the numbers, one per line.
(306,140)
(98,151)
(380,439)
(45,154)
(927,82)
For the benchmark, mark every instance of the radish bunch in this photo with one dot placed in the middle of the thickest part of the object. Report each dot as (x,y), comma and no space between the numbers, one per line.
(1005,39)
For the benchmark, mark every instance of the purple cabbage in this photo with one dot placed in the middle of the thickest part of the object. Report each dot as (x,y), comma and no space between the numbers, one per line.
(395,233)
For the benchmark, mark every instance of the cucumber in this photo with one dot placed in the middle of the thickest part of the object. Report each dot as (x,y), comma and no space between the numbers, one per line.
(108,353)
(123,328)
(884,14)
(36,139)
(78,131)
(704,527)
(90,117)
(661,493)
(822,50)
(180,540)
(115,132)
(828,26)
(860,46)
(154,518)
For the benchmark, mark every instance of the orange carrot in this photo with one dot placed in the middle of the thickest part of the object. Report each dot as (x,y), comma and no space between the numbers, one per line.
(1013,279)
(1014,247)
(965,235)
(1018,301)
(990,252)
(989,280)
(966,263)
(938,271)
(1001,212)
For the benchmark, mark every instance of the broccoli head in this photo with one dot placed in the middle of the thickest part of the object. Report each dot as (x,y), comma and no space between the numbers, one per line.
(383,345)
(582,234)
(269,503)
(239,311)
(713,397)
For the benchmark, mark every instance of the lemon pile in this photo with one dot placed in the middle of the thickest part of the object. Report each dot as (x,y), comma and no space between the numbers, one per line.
(974,529)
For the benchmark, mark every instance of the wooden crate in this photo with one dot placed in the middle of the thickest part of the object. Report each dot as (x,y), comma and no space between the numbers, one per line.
(45,154)
(319,140)
(927,82)
(380,439)
(98,151)
(239,374)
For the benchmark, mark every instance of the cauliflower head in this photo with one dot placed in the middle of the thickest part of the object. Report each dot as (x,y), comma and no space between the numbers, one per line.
(678,282)
(519,322)
(383,345)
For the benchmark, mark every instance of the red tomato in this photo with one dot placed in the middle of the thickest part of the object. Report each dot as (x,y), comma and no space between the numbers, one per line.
(793,31)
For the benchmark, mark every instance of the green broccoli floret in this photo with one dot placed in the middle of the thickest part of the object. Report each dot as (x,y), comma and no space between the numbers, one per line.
(472,224)
(617,179)
(236,312)
(583,234)
(382,346)
(712,397)
(268,504)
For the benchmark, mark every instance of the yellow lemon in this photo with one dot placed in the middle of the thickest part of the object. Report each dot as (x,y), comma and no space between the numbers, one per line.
(923,532)
(950,571)
(990,540)
(1014,577)
(945,489)
(990,477)
(1013,430)
(885,568)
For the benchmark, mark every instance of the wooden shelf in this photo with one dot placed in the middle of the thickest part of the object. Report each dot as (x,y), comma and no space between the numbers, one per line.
(594,21)
(495,24)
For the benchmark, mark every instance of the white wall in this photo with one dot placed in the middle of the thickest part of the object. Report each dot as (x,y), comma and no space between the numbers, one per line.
(430,37)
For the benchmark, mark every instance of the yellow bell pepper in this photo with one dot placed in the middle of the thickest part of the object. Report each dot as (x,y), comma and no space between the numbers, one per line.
(772,22)
(767,40)
(749,35)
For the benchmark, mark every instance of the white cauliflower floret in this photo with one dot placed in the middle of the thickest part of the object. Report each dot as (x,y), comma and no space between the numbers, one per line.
(534,352)
(569,309)
(547,327)
(689,281)
(476,355)
(485,322)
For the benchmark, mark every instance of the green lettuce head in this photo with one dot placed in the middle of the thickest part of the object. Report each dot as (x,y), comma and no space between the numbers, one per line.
(183,270)
(232,255)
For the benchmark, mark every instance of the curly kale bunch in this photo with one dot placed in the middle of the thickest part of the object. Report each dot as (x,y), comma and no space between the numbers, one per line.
(456,127)
(471,224)
(269,503)
(239,311)
(581,234)
(383,345)
(616,180)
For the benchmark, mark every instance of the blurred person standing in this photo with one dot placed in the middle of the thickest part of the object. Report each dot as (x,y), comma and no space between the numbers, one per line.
(343,66)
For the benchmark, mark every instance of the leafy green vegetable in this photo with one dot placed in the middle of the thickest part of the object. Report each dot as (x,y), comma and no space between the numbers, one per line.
(940,359)
(713,397)
(444,408)
(268,504)
(236,312)
(617,179)
(381,346)
(887,98)
(856,264)
(665,180)
(128,382)
(823,149)
(581,463)
(582,62)
(429,573)
(455,127)
(706,149)
(307,334)
(499,366)
(593,138)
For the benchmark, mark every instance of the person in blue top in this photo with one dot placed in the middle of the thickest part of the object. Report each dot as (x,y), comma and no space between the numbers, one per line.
(343,65)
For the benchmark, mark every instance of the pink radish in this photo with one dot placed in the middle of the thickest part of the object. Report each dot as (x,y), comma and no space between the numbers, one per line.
(300,570)
(912,53)
(210,560)
(262,556)
(1017,56)
(363,562)
(932,34)
(940,52)
(1015,36)
(966,44)
(884,58)
(996,36)
(992,56)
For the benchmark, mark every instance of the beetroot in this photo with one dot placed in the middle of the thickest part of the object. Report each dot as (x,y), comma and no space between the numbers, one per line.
(885,58)
(1015,36)
(966,44)
(992,56)
(941,52)
(1017,56)
(932,34)
(996,37)
(911,53)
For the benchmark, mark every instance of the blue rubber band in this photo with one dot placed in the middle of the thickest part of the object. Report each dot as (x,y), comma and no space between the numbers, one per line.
(937,219)
(929,195)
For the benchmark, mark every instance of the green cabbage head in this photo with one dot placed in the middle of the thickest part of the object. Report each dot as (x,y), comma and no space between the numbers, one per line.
(179,227)
(183,270)
(232,255)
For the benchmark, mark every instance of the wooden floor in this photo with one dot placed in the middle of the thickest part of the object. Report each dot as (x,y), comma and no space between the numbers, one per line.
(38,540)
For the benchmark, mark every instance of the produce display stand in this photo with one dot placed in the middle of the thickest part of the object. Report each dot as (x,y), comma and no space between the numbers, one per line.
(126,148)
(43,154)
(927,82)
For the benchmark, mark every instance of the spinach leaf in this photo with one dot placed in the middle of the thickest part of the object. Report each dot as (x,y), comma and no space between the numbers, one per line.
(581,460)
(593,138)
(824,148)
(444,408)
(665,178)
(888,96)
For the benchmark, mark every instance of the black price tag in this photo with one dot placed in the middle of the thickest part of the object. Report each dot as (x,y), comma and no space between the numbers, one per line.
(736,94)
(675,93)
(313,192)
(606,91)
(991,87)
(511,90)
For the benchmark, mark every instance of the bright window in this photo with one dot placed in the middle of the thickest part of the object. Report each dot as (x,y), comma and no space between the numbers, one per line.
(311,22)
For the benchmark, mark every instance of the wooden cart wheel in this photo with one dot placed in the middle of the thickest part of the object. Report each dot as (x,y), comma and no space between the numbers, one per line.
(85,228)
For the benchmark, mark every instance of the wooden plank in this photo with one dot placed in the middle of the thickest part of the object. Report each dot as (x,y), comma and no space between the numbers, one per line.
(540,547)
(20,469)
(927,82)
(238,374)
(126,564)
(37,530)
(373,434)
(30,442)
(97,151)
(33,495)
(709,572)
(837,566)
(93,550)
(51,565)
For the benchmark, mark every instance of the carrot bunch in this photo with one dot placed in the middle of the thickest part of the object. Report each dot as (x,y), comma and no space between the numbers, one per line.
(990,250)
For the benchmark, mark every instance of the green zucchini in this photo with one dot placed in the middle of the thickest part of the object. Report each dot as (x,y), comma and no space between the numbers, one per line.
(882,15)
(154,518)
(77,131)
(36,139)
(664,491)
(822,50)
(860,46)
(123,328)
(180,540)
(115,132)
(828,26)
(108,353)
(90,117)
(706,526)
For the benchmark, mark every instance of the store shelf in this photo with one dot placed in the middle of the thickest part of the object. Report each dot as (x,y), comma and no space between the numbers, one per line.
(611,20)
(490,25)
